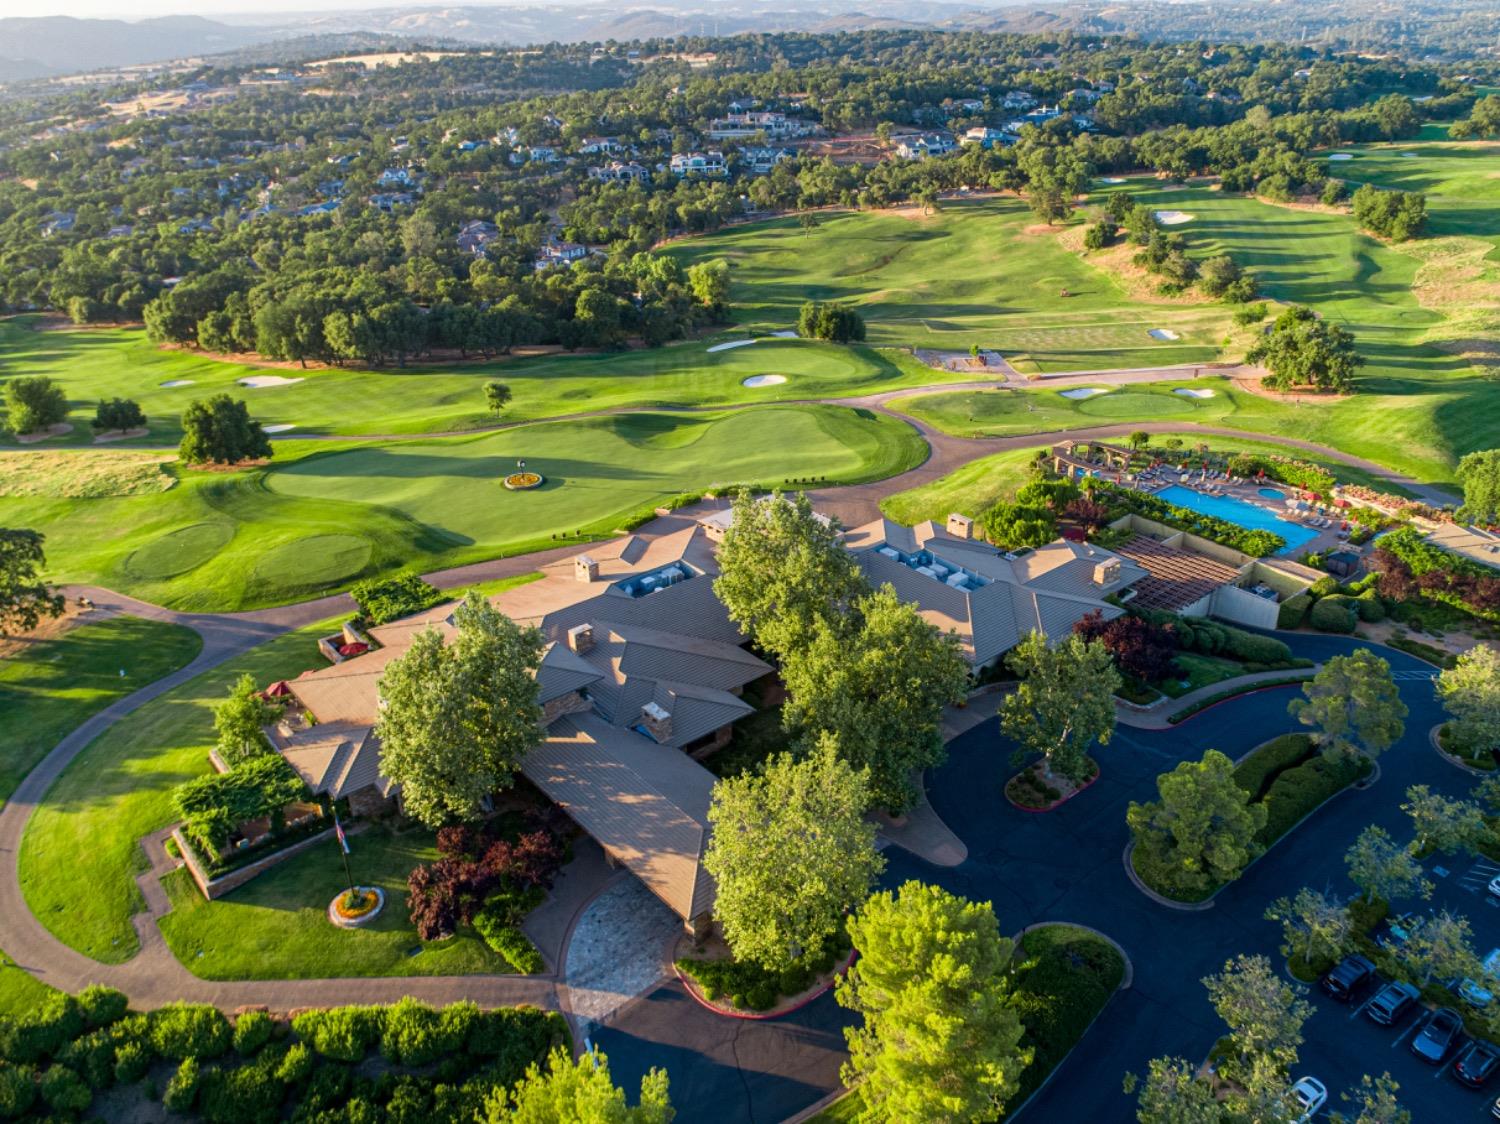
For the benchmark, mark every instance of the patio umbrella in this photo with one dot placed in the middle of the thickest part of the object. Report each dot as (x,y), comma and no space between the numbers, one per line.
(277,690)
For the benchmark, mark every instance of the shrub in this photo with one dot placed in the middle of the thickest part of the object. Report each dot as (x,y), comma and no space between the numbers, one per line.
(515,1037)
(1298,791)
(132,1059)
(1254,648)
(295,1065)
(512,944)
(1293,610)
(252,1030)
(1370,607)
(93,1057)
(189,1030)
(416,1034)
(64,1091)
(42,1032)
(101,1006)
(341,1033)
(1261,766)
(17,1089)
(749,986)
(1324,586)
(182,1090)
(248,1094)
(1334,614)
(390,598)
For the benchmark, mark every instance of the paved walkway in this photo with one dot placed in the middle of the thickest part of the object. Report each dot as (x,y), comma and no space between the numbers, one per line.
(1159,717)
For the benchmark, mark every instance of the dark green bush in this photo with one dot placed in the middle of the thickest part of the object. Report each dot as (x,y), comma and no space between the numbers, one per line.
(749,986)
(389,598)
(296,1065)
(247,1094)
(510,943)
(64,1091)
(1263,765)
(132,1059)
(189,1030)
(1251,647)
(515,1038)
(252,1030)
(101,1006)
(416,1034)
(1324,586)
(1370,607)
(1334,614)
(42,1032)
(327,1088)
(341,1033)
(1293,610)
(182,1090)
(1298,791)
(17,1089)
(93,1057)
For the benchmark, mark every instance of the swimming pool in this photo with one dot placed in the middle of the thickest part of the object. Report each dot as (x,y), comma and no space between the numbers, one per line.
(1245,514)
(1272,494)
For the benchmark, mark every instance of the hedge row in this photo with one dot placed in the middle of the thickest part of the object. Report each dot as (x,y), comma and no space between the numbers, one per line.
(391,598)
(751,987)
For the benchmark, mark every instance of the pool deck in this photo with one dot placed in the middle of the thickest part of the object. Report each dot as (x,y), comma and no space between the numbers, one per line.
(1323,538)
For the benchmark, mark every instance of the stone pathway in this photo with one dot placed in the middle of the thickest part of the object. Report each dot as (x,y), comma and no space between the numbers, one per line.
(620,947)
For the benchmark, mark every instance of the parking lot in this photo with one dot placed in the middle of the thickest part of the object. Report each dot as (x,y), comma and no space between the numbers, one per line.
(1343,1044)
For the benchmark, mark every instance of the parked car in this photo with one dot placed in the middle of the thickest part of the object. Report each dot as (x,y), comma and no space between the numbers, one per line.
(1478,1065)
(1436,1040)
(1481,994)
(1309,1094)
(1495,1108)
(1391,1003)
(1495,885)
(1348,978)
(1398,930)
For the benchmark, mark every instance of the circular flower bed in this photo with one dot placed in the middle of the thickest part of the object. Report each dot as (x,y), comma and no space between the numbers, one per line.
(1031,791)
(351,910)
(521,481)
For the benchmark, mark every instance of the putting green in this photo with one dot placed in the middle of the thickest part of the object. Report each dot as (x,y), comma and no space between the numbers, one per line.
(317,560)
(178,551)
(1133,404)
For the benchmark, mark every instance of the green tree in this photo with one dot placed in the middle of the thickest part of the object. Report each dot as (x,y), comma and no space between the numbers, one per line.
(1201,832)
(1441,824)
(782,569)
(496,396)
(1353,706)
(1301,350)
(1217,274)
(241,720)
(1314,926)
(838,323)
(581,1092)
(1376,1102)
(1442,946)
(1397,215)
(1479,473)
(221,430)
(1138,439)
(24,598)
(1483,120)
(877,682)
(940,1041)
(1018,526)
(1264,1016)
(1065,704)
(791,853)
(34,403)
(1470,692)
(1173,1093)
(709,283)
(1385,869)
(456,718)
(118,414)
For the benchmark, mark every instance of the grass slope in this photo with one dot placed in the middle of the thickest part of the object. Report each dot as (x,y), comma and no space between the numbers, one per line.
(321,516)
(97,363)
(51,686)
(974,273)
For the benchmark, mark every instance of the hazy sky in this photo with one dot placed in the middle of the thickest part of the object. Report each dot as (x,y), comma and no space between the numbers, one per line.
(141,9)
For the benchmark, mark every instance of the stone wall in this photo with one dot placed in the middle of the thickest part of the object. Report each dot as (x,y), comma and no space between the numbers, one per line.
(215,888)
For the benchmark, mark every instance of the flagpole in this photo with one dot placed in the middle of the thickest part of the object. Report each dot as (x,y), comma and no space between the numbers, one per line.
(338,830)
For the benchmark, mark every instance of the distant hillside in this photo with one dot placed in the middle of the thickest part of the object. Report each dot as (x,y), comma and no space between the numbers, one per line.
(50,45)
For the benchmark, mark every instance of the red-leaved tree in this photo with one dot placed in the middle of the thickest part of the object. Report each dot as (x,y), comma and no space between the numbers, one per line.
(1141,649)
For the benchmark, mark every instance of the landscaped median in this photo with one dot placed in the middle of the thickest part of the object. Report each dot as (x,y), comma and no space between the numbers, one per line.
(1286,778)
(1064,977)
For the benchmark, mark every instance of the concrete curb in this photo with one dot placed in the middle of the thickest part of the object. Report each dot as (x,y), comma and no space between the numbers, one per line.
(1160,899)
(1432,738)
(691,987)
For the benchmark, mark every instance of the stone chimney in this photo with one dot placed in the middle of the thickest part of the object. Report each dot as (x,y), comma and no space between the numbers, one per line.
(960,526)
(581,638)
(658,722)
(585,569)
(1107,572)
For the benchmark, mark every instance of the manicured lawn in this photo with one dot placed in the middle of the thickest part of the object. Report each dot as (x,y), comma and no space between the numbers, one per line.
(51,686)
(98,364)
(89,823)
(277,927)
(19,991)
(1197,671)
(975,487)
(322,516)
(86,831)
(978,272)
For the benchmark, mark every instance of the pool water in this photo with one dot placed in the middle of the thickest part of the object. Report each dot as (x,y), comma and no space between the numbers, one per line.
(1272,494)
(1245,514)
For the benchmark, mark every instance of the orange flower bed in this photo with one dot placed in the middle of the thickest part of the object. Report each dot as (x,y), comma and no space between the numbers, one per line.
(520,481)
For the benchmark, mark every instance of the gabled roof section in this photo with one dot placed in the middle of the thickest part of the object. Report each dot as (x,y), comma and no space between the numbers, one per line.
(562,672)
(646,804)
(335,759)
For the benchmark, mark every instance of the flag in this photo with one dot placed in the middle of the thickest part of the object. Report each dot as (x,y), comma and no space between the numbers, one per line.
(338,829)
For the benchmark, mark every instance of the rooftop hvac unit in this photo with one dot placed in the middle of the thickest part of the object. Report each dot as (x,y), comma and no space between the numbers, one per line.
(889,552)
(927,570)
(958,581)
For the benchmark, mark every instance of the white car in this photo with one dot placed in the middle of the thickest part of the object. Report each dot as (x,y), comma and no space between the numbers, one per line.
(1309,1094)
(1495,885)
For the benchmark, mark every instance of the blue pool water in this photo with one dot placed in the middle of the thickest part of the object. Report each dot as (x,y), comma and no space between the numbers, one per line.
(1245,514)
(1272,494)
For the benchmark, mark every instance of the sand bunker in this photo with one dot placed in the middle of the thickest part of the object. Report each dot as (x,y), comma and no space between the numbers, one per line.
(763,380)
(785,334)
(1189,392)
(279,428)
(170,383)
(730,344)
(1113,179)
(1173,218)
(1163,334)
(1340,156)
(255,382)
(1083,392)
(1408,156)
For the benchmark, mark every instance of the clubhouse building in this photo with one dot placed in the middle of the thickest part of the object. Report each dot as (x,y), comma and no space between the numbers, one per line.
(643,672)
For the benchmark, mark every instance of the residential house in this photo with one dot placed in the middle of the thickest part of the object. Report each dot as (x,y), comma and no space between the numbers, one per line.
(986,137)
(699,164)
(1018,101)
(390,200)
(922,145)
(773,124)
(560,253)
(761,158)
(475,235)
(395,177)
(617,172)
(608,146)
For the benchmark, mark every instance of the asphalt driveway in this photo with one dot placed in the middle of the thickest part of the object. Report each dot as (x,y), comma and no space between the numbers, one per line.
(1067,866)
